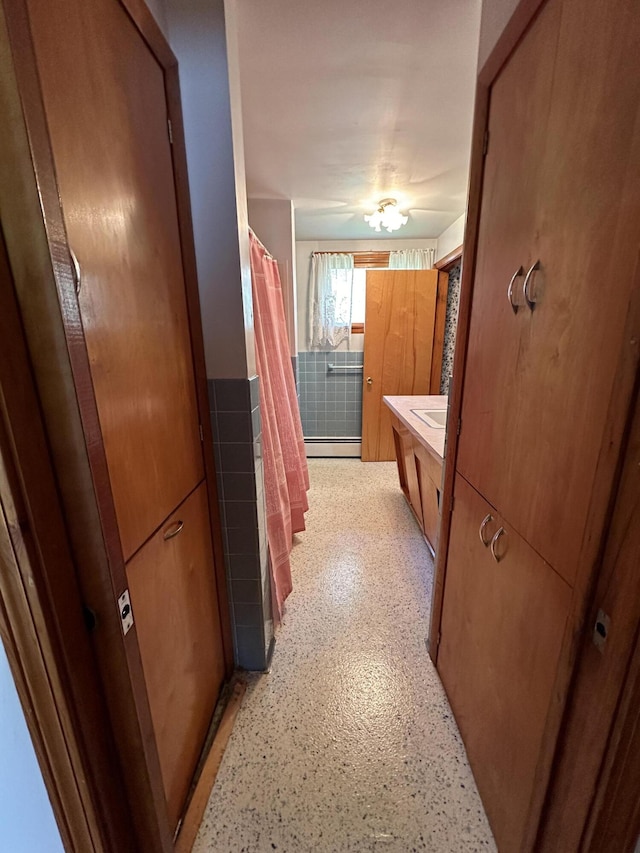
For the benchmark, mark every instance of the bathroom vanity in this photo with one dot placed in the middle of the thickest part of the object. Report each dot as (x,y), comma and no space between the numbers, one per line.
(419,431)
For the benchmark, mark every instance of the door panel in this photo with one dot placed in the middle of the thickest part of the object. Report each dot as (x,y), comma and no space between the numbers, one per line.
(114,170)
(398,344)
(175,608)
(429,479)
(501,634)
(538,385)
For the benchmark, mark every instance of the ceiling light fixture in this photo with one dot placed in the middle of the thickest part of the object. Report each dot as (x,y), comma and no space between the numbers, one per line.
(387,216)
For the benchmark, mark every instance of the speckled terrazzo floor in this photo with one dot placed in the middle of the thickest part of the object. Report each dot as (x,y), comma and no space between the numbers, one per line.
(349,744)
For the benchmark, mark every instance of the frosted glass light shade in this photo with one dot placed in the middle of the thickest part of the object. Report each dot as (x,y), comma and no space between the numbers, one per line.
(387,216)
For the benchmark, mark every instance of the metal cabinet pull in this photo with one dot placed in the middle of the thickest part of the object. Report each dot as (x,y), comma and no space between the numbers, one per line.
(525,287)
(369,380)
(488,517)
(500,532)
(77,272)
(177,528)
(516,274)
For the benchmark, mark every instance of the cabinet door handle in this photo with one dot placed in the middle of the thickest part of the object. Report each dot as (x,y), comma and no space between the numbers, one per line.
(527,282)
(500,532)
(516,274)
(173,531)
(77,272)
(369,380)
(488,517)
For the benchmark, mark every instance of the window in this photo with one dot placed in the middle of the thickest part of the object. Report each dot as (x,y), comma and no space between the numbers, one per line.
(358,301)
(340,281)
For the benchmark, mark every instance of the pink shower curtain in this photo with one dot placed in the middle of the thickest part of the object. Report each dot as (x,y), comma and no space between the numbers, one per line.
(286,478)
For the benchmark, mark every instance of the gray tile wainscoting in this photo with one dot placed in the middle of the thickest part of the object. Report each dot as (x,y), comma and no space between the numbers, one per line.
(330,402)
(235,420)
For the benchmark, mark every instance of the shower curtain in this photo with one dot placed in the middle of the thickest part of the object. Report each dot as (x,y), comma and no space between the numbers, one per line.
(286,478)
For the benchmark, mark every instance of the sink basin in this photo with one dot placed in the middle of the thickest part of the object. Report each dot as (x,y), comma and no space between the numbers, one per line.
(434,418)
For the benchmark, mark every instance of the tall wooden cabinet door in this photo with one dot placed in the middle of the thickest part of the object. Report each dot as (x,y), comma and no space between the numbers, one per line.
(398,345)
(104,96)
(535,404)
(501,634)
(175,608)
(489,447)
(589,236)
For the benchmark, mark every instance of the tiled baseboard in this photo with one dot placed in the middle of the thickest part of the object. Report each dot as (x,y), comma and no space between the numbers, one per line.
(333,447)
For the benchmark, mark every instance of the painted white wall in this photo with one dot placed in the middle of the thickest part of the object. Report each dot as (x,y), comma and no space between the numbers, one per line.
(451,237)
(272,220)
(26,817)
(304,248)
(494,18)
(203,35)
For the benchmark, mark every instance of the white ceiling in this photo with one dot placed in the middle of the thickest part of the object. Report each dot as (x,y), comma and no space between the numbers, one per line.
(346,102)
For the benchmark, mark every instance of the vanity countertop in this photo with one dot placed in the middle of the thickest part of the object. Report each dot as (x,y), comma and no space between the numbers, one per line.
(432,438)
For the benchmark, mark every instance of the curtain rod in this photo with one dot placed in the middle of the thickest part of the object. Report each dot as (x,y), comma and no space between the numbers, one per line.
(357,252)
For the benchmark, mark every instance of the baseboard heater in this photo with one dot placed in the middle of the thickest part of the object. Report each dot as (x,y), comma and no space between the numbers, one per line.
(332,446)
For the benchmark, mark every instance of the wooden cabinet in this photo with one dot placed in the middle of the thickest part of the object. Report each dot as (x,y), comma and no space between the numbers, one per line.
(538,383)
(419,476)
(115,176)
(405,459)
(131,326)
(549,328)
(502,631)
(178,623)
(429,473)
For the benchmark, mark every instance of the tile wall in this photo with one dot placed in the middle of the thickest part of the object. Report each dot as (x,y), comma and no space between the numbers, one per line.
(235,420)
(330,401)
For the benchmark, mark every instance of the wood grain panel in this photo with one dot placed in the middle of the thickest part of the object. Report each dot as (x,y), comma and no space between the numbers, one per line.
(114,168)
(550,384)
(400,318)
(600,675)
(430,482)
(502,630)
(407,472)
(176,614)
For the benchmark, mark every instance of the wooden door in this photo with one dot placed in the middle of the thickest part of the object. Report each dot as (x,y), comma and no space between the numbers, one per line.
(176,615)
(105,101)
(398,346)
(502,631)
(538,384)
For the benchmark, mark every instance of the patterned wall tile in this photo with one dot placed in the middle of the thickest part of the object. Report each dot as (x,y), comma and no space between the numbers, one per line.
(451,323)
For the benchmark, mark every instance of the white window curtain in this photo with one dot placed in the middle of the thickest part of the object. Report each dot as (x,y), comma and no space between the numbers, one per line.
(330,300)
(412,259)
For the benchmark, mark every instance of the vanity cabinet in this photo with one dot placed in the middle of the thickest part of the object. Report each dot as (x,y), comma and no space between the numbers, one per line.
(548,341)
(407,472)
(429,474)
(419,468)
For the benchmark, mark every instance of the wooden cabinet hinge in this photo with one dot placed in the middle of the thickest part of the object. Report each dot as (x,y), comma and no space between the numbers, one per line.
(459,426)
(170,129)
(201,432)
(485,143)
(453,503)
